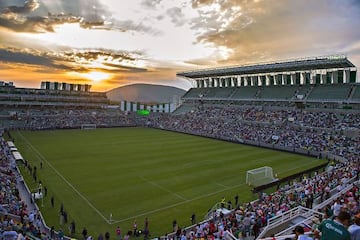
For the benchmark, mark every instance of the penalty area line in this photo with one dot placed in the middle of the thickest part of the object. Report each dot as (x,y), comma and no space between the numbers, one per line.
(163,188)
(176,204)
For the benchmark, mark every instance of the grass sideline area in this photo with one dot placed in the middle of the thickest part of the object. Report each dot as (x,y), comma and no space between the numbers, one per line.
(133,173)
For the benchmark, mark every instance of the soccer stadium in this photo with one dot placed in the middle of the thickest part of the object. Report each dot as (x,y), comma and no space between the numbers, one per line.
(252,152)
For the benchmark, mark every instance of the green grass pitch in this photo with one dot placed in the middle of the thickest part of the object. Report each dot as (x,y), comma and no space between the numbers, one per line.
(133,173)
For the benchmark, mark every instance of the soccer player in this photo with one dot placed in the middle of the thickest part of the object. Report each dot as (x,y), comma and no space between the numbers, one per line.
(118,232)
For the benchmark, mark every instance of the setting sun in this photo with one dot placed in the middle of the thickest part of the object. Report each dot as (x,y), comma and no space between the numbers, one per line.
(94,76)
(97,76)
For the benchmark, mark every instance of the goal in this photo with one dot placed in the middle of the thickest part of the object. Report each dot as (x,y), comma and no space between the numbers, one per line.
(259,176)
(88,126)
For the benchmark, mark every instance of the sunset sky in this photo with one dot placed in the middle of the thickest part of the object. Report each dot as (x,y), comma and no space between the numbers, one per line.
(109,43)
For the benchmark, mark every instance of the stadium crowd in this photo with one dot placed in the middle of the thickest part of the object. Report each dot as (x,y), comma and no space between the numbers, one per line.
(74,118)
(290,129)
(310,131)
(249,219)
(17,222)
(320,132)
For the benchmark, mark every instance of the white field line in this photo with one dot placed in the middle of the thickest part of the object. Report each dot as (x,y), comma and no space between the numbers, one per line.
(221,185)
(177,204)
(191,200)
(163,188)
(64,179)
(155,210)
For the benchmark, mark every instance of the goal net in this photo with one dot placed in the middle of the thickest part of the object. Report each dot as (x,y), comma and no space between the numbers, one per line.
(259,176)
(88,126)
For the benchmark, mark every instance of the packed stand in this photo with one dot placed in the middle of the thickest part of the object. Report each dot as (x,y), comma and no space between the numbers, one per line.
(250,218)
(287,128)
(15,220)
(62,119)
(310,131)
(281,128)
(9,197)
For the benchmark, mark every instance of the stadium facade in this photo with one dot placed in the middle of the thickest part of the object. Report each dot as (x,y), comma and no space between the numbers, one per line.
(318,82)
(51,95)
(319,70)
(65,86)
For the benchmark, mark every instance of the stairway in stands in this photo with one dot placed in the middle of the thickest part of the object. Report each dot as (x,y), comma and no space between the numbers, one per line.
(283,224)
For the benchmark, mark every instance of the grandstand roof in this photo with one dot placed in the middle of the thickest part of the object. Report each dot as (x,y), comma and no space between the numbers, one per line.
(304,64)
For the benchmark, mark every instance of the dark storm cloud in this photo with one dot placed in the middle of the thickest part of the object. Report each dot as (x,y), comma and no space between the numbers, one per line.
(273,29)
(42,15)
(31,17)
(27,25)
(40,59)
(93,54)
(115,59)
(123,68)
(28,6)
(17,18)
(72,60)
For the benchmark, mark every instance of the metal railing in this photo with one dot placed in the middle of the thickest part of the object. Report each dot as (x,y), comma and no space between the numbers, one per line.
(287,216)
(303,212)
(336,195)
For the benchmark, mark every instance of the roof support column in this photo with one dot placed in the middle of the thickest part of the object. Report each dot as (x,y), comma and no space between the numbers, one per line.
(302,78)
(246,81)
(334,77)
(237,82)
(283,79)
(217,82)
(323,78)
(312,77)
(242,81)
(252,79)
(197,85)
(233,81)
(293,78)
(346,76)
(206,83)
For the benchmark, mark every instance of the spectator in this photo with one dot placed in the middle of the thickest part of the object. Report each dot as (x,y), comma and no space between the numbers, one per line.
(335,229)
(300,234)
(354,229)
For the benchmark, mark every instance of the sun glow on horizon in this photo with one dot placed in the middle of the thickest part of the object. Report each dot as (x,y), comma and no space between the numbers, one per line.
(95,76)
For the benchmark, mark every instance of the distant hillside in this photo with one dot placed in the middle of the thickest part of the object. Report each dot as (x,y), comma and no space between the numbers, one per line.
(145,93)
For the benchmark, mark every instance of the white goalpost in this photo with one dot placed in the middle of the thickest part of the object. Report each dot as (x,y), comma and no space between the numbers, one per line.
(88,126)
(259,176)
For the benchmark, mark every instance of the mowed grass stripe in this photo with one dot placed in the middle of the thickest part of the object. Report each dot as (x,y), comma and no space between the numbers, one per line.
(43,159)
(137,172)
